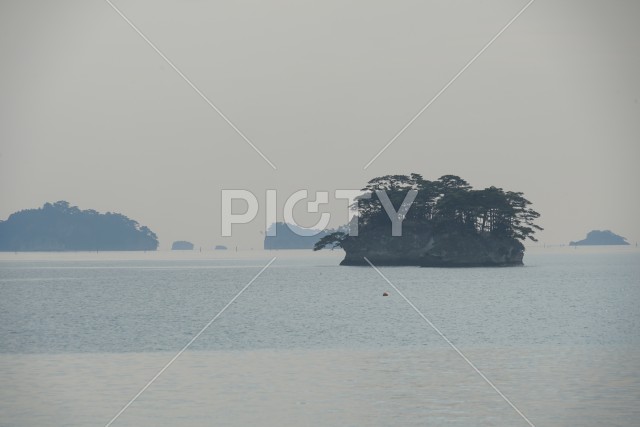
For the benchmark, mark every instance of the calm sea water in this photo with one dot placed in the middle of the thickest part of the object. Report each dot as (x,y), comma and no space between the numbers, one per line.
(312,343)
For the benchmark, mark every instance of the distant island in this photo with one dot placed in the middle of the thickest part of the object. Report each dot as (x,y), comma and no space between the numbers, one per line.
(220,248)
(286,238)
(61,227)
(449,224)
(182,245)
(598,237)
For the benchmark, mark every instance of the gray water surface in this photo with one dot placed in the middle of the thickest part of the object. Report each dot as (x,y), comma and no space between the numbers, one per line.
(313,343)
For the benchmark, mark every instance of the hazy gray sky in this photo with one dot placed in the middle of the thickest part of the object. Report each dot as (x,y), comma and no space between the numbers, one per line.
(92,115)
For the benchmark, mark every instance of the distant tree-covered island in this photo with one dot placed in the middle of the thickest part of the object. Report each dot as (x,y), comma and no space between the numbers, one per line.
(281,235)
(449,224)
(181,245)
(601,237)
(62,227)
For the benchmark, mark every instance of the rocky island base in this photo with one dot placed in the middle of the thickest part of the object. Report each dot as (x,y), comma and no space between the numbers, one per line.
(428,249)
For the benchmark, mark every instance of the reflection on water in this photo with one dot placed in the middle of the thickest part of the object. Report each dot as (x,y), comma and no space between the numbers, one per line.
(311,343)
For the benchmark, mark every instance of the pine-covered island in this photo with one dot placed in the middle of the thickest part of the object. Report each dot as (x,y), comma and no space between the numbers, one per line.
(449,224)
(61,227)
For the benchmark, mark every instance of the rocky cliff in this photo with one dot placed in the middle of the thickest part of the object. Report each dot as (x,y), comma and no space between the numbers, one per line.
(419,246)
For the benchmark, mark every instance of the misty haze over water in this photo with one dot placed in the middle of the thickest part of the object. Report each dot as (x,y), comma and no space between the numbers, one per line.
(124,124)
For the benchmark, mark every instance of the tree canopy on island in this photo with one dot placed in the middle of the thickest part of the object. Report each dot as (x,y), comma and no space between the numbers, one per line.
(448,203)
(61,227)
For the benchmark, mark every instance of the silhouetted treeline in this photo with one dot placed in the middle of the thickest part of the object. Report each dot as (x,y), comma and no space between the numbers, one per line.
(61,227)
(446,204)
